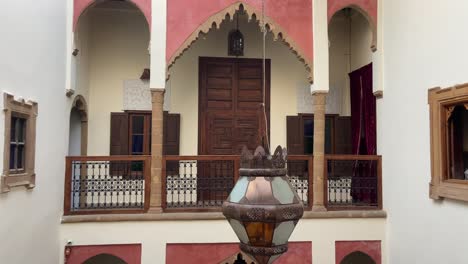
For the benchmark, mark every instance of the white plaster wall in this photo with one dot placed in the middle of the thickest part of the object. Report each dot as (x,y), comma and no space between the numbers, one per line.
(80,62)
(425,46)
(118,51)
(154,235)
(32,66)
(288,75)
(361,40)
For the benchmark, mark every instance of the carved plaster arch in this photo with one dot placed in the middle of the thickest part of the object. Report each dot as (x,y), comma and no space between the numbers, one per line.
(81,6)
(357,253)
(130,253)
(363,12)
(228,13)
(79,103)
(370,248)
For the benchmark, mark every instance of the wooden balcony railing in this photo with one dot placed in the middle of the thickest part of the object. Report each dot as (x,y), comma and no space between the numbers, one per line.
(198,182)
(203,182)
(110,184)
(353,182)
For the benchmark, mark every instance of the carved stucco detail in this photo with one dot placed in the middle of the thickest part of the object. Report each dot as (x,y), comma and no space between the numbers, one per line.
(214,22)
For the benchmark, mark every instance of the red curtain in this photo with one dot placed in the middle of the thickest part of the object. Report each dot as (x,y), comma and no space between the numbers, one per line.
(364,138)
(363,112)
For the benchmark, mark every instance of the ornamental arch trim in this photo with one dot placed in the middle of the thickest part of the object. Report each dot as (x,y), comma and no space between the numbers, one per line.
(214,22)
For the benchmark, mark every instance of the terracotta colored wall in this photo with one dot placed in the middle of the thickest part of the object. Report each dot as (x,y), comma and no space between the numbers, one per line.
(298,253)
(184,17)
(131,254)
(79,6)
(369,6)
(371,248)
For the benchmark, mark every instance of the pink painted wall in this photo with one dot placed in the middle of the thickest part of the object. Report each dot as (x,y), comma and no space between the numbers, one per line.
(368,6)
(298,253)
(79,6)
(130,253)
(294,16)
(371,248)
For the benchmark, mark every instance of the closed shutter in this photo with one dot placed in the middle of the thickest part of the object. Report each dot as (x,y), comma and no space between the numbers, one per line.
(342,137)
(171,134)
(295,137)
(119,134)
(119,144)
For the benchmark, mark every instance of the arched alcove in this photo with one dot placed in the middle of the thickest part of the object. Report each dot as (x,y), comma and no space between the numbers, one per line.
(358,257)
(367,8)
(112,40)
(104,259)
(78,132)
(351,87)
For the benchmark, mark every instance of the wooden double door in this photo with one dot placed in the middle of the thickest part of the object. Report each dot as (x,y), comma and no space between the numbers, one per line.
(230,95)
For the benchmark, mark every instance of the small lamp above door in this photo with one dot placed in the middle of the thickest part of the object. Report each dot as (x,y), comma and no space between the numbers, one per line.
(236,41)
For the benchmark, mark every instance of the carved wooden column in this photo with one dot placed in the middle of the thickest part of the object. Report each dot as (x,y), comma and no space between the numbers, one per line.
(319,102)
(157,96)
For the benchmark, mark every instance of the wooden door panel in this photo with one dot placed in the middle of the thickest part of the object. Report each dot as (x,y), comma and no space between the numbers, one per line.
(231,92)
(219,69)
(220,133)
(246,132)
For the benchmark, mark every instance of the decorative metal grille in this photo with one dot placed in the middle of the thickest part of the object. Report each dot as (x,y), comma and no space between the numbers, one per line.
(103,185)
(352,183)
(198,183)
(298,172)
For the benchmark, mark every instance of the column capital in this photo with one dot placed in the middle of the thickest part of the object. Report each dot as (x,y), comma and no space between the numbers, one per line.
(157,90)
(319,98)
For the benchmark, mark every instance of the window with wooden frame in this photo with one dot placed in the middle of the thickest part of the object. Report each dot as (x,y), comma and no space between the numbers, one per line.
(300,134)
(19,143)
(449,142)
(131,133)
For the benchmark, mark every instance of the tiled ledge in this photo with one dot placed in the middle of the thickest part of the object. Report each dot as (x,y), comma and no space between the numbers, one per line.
(208,216)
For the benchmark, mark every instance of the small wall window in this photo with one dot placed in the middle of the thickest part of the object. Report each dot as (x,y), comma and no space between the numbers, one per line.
(19,143)
(449,142)
(457,139)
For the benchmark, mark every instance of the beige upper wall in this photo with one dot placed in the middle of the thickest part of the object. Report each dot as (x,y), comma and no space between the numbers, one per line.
(350,39)
(117,50)
(288,75)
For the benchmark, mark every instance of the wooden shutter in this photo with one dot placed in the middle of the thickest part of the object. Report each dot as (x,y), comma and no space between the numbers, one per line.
(295,135)
(171,134)
(119,134)
(342,137)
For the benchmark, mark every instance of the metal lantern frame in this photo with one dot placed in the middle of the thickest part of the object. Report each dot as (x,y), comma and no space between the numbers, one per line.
(263,208)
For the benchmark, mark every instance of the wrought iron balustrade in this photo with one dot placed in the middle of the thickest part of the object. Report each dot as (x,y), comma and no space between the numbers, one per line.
(107,184)
(300,175)
(353,182)
(198,182)
(204,182)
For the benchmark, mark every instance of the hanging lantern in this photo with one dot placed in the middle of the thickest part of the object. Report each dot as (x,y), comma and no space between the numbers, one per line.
(236,43)
(263,208)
